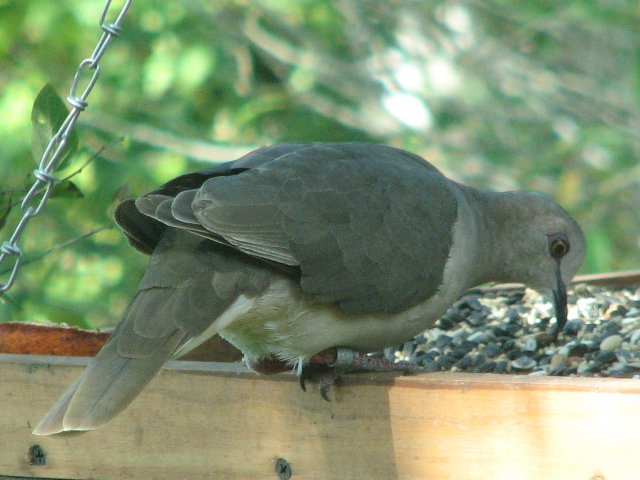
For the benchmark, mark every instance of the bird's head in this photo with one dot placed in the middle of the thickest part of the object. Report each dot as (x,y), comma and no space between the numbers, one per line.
(543,246)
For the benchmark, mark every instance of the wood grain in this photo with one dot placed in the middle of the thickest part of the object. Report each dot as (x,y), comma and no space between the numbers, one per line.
(201,420)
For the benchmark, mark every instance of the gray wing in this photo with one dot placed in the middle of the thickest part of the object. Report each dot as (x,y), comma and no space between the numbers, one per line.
(368,226)
(144,231)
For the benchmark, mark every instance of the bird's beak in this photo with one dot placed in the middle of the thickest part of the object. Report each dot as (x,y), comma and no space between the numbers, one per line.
(560,302)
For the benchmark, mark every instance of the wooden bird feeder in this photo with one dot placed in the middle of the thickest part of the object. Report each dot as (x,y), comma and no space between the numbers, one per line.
(205,420)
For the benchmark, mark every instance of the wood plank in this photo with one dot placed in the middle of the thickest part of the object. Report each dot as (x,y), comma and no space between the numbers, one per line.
(628,278)
(203,420)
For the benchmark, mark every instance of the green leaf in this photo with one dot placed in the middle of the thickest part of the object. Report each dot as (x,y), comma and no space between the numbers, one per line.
(66,189)
(4,210)
(48,114)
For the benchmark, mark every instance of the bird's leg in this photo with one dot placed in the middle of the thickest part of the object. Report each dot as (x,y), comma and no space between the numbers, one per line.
(327,366)
(350,360)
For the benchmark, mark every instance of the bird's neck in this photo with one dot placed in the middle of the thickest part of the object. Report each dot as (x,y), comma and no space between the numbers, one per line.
(493,248)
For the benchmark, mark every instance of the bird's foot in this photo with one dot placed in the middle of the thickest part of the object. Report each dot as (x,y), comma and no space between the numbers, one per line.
(327,366)
(323,374)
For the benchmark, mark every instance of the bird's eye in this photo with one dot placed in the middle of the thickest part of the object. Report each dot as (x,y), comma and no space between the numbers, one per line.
(558,246)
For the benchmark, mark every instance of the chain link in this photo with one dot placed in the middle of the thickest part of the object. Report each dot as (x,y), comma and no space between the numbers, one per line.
(45,180)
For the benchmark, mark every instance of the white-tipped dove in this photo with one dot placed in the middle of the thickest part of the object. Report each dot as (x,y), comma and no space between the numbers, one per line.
(301,254)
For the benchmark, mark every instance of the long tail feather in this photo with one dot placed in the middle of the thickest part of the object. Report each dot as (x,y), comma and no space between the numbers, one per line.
(108,384)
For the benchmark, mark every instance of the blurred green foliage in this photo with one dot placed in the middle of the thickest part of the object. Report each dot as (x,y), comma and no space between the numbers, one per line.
(499,94)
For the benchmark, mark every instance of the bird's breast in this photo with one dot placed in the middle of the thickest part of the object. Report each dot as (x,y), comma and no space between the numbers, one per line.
(285,323)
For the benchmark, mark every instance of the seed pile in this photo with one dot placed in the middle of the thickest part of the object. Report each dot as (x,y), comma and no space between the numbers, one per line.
(509,332)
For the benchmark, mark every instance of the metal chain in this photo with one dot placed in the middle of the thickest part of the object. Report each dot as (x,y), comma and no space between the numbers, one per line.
(53,152)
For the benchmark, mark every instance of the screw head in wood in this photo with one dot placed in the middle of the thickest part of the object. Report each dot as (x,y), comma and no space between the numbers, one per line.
(283,469)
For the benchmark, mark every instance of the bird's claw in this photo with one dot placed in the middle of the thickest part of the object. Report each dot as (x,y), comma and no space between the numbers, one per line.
(328,379)
(327,366)
(324,374)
